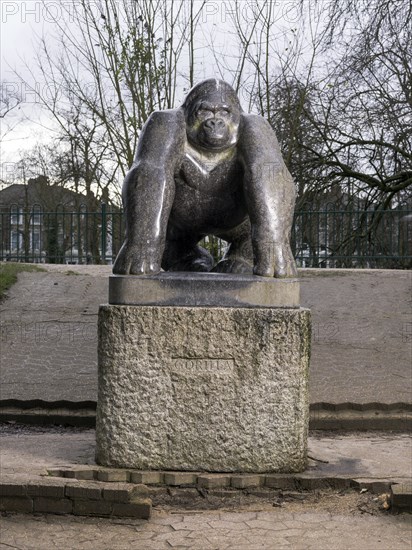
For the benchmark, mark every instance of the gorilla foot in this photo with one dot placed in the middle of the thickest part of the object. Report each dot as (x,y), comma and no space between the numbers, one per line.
(233,266)
(198,260)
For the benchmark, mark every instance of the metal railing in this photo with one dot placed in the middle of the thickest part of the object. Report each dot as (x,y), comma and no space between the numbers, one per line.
(320,238)
(353,238)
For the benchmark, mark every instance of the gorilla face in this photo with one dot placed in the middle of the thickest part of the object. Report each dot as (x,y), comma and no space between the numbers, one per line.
(212,115)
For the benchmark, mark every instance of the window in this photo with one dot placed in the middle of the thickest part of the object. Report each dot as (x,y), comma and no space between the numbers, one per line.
(15,240)
(36,215)
(16,216)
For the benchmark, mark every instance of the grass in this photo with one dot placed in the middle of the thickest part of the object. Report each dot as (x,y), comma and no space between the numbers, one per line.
(9,272)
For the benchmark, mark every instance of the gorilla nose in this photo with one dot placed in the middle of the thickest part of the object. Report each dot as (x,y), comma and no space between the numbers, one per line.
(214,123)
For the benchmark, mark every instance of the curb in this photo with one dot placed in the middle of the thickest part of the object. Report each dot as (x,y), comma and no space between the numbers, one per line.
(401,497)
(103,492)
(323,416)
(204,480)
(73,497)
(361,417)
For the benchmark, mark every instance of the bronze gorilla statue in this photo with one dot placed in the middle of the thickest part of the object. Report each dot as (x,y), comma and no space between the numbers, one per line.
(207,168)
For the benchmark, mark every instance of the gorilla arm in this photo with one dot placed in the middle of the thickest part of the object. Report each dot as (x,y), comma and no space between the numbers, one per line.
(148,193)
(270,197)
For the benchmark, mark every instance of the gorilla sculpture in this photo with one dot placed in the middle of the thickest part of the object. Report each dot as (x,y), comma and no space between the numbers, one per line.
(207,168)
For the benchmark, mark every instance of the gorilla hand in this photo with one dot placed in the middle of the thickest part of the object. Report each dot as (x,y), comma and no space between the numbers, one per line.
(136,260)
(274,260)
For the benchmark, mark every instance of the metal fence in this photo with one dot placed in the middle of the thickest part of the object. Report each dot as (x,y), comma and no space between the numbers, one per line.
(320,238)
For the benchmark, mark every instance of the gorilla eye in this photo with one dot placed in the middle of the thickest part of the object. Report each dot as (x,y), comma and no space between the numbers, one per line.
(204,111)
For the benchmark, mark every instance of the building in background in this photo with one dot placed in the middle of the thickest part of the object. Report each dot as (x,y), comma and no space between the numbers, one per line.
(40,222)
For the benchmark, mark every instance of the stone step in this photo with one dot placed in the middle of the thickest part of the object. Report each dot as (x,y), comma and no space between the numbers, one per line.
(322,416)
(83,498)
(78,491)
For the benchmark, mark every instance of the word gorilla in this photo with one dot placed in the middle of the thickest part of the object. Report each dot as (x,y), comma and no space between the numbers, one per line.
(207,168)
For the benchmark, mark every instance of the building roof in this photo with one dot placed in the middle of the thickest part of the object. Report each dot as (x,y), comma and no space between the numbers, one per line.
(39,192)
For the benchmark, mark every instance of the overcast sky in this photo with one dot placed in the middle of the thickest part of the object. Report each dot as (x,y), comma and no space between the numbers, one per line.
(24,22)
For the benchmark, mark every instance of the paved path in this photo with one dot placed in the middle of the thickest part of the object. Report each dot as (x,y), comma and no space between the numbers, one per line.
(248,530)
(28,452)
(362,334)
(338,519)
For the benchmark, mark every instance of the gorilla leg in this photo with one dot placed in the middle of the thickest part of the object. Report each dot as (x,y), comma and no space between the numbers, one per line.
(183,254)
(239,255)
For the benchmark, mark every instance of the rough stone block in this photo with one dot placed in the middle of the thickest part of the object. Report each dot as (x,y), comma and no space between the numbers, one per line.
(372,485)
(401,496)
(119,492)
(12,489)
(85,474)
(203,388)
(213,481)
(280,482)
(141,509)
(113,475)
(139,491)
(16,504)
(180,478)
(84,491)
(92,508)
(52,505)
(55,490)
(70,474)
(148,478)
(56,473)
(245,481)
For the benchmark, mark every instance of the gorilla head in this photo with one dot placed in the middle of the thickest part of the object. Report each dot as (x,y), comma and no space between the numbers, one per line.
(212,112)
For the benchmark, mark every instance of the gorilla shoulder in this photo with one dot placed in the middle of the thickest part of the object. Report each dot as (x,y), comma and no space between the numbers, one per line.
(258,140)
(162,137)
(166,117)
(255,123)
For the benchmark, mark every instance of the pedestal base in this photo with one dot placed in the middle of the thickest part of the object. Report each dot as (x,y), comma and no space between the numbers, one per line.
(203,289)
(203,388)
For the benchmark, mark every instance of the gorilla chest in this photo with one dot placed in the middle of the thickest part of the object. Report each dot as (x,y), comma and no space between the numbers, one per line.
(209,193)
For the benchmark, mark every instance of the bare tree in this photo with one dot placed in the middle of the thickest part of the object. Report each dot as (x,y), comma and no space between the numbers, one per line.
(364,114)
(10,101)
(119,62)
(337,89)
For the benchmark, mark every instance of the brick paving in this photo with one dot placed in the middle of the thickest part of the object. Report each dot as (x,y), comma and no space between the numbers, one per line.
(209,531)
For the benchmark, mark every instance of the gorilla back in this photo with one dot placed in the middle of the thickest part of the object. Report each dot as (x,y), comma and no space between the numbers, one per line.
(207,168)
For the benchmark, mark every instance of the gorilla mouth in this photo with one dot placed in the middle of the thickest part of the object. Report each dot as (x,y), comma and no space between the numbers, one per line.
(213,138)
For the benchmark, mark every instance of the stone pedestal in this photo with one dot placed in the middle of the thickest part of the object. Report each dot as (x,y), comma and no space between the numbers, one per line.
(203,289)
(221,389)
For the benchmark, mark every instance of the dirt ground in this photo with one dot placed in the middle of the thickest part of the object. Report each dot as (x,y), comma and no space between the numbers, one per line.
(345,501)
